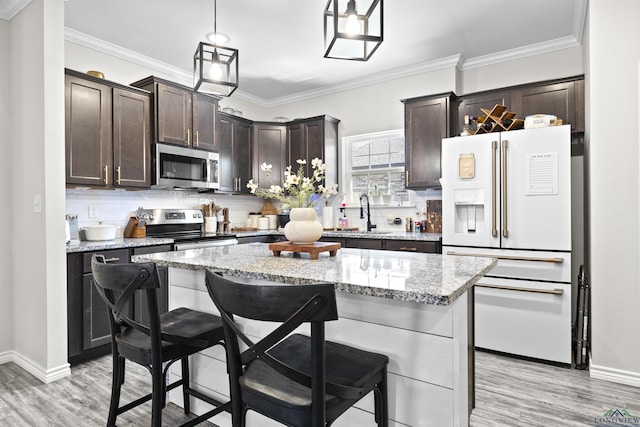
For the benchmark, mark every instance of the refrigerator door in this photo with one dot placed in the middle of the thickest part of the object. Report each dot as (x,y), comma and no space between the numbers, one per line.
(470,185)
(536,189)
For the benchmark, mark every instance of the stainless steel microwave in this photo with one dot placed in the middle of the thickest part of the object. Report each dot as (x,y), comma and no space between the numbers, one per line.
(183,167)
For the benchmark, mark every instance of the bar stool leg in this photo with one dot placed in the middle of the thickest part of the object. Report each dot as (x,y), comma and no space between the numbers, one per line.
(157,398)
(186,384)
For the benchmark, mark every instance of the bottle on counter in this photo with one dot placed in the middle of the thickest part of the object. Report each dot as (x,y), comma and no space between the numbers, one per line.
(408,224)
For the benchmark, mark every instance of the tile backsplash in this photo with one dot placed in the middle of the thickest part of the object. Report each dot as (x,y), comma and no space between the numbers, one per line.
(116,206)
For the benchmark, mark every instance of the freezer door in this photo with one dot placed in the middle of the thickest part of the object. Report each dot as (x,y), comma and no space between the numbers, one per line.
(536,189)
(470,183)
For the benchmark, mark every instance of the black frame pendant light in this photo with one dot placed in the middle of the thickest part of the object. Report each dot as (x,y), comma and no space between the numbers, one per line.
(215,67)
(352,30)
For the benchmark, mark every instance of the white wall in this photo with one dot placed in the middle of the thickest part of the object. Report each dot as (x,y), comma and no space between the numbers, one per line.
(614,91)
(6,288)
(37,171)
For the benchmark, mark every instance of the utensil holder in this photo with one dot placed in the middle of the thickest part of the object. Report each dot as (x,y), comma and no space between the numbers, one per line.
(133,230)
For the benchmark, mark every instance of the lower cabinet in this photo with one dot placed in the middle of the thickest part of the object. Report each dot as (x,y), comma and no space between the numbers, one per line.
(431,247)
(89,333)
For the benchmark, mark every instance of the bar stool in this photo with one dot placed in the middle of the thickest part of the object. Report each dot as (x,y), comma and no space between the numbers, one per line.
(295,379)
(167,338)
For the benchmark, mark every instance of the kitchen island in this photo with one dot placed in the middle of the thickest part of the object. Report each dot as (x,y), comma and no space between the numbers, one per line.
(415,308)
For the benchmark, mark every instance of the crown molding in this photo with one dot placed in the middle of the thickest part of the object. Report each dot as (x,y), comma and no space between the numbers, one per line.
(10,8)
(522,52)
(185,77)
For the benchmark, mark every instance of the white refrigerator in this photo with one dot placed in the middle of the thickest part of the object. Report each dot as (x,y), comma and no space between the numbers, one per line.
(508,195)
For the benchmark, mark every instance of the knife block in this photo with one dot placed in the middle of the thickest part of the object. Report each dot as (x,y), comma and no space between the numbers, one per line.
(133,230)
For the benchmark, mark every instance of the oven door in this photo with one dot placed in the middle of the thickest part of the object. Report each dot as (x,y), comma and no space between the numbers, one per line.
(180,246)
(182,167)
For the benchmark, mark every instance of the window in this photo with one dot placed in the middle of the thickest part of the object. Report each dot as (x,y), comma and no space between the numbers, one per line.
(374,163)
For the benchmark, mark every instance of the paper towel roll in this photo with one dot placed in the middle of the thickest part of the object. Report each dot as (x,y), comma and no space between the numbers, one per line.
(327,218)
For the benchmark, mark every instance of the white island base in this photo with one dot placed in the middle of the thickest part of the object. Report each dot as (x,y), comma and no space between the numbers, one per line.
(430,371)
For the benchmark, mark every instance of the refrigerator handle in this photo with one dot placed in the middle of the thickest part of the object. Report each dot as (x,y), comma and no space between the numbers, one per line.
(505,193)
(494,222)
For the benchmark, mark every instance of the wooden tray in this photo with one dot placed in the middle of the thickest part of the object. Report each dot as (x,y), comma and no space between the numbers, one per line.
(244,229)
(313,249)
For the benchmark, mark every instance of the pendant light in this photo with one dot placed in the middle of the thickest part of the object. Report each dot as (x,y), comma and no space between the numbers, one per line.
(215,67)
(352,30)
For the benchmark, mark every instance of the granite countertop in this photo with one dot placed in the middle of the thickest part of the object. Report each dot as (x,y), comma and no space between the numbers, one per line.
(424,278)
(376,234)
(87,246)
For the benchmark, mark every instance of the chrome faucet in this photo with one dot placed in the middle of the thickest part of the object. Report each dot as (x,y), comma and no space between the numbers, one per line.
(369,225)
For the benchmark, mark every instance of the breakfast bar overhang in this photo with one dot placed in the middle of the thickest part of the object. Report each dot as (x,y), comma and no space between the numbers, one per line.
(416,308)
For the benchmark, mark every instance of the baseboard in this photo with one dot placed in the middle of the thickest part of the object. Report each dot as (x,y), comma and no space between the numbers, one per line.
(614,375)
(44,375)
(6,357)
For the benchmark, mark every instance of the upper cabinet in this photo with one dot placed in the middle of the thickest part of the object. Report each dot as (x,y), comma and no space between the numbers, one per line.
(270,147)
(311,138)
(427,121)
(181,116)
(107,133)
(562,98)
(235,147)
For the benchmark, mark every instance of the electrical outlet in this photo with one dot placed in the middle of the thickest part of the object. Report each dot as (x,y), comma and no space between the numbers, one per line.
(93,211)
(37,203)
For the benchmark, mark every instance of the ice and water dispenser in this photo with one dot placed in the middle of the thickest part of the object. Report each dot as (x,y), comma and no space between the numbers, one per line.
(469,202)
(470,210)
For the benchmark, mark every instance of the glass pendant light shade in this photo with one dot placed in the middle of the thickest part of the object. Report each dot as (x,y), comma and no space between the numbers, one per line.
(352,29)
(215,69)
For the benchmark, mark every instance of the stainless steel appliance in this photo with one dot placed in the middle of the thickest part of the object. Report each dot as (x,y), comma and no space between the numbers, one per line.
(185,226)
(182,167)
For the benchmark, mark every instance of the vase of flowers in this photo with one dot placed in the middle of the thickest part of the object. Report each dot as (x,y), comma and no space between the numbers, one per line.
(300,194)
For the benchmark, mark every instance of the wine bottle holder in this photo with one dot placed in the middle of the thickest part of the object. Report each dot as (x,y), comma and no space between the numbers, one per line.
(498,119)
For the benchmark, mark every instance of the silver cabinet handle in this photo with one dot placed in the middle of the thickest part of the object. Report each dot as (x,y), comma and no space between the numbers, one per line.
(512,288)
(511,258)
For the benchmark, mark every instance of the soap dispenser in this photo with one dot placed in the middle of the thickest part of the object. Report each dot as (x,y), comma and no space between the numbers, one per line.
(344,221)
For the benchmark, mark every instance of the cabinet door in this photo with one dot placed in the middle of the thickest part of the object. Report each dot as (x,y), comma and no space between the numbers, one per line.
(295,144)
(242,158)
(225,149)
(270,146)
(363,243)
(426,124)
(131,139)
(88,138)
(314,140)
(173,111)
(557,99)
(96,330)
(471,105)
(205,110)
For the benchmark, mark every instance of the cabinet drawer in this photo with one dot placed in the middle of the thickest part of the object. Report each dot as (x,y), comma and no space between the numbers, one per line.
(114,255)
(524,317)
(410,246)
(152,249)
(363,243)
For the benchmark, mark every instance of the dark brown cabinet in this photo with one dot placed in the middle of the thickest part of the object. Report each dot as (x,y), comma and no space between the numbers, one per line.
(88,131)
(107,133)
(471,105)
(181,116)
(427,121)
(562,98)
(315,137)
(270,147)
(558,99)
(89,333)
(235,143)
(131,138)
(411,246)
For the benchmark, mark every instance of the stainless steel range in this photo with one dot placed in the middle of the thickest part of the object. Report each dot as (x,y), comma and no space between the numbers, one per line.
(185,226)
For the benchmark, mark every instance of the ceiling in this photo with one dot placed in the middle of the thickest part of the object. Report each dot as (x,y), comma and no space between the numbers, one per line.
(280,42)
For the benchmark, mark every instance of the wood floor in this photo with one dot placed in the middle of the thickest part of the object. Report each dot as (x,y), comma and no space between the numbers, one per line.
(509,392)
